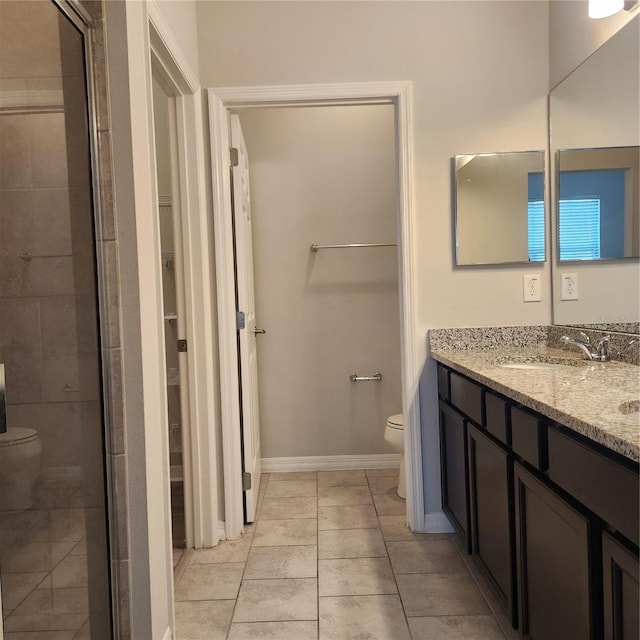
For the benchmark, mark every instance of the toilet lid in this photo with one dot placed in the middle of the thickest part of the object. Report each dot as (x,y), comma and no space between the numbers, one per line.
(17,435)
(396,422)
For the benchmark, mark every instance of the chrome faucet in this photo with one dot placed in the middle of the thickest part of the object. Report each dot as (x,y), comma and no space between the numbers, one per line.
(598,352)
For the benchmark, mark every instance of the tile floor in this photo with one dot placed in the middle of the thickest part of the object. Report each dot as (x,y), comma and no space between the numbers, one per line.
(45,575)
(329,558)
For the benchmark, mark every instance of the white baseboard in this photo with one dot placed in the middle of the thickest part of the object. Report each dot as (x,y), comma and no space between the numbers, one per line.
(437,522)
(330,463)
(167,634)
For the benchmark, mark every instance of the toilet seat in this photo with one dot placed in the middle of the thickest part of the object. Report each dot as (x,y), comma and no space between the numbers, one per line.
(396,421)
(17,435)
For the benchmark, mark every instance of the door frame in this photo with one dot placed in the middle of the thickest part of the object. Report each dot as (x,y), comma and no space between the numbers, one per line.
(221,100)
(197,369)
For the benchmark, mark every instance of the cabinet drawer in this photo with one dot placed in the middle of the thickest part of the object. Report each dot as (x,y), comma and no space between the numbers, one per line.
(443,382)
(601,484)
(526,435)
(496,417)
(466,396)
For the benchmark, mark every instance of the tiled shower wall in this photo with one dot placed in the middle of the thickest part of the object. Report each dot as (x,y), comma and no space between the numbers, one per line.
(46,291)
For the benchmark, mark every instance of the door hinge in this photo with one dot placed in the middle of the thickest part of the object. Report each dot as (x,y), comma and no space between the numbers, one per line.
(246,481)
(240,323)
(182,346)
(233,157)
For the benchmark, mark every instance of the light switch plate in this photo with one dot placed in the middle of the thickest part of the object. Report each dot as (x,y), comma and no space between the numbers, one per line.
(532,288)
(569,289)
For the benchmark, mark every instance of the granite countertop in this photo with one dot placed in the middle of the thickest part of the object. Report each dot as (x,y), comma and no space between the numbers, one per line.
(598,400)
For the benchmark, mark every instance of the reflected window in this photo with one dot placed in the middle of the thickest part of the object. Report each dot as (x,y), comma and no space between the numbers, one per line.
(579,229)
(535,217)
(536,230)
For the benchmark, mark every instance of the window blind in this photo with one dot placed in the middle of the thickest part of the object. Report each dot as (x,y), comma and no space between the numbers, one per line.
(579,229)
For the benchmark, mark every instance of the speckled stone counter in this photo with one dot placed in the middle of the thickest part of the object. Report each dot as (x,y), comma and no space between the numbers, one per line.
(597,400)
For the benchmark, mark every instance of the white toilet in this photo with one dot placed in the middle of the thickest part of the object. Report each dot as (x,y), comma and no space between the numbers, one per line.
(20,459)
(394,435)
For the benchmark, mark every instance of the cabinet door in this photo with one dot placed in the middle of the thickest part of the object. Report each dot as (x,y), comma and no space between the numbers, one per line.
(552,542)
(621,594)
(491,511)
(453,461)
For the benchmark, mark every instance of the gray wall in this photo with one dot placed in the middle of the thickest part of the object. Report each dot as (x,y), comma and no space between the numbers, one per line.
(324,175)
(480,81)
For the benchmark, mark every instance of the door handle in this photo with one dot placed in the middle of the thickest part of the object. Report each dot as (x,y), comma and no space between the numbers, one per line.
(259,331)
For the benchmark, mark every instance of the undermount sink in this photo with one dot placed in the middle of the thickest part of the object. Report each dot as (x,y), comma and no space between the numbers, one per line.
(539,362)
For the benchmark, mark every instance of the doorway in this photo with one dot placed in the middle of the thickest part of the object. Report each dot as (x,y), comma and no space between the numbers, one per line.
(173,303)
(324,210)
(54,551)
(221,102)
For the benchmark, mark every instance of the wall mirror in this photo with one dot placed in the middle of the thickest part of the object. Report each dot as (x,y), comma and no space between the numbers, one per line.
(595,144)
(499,208)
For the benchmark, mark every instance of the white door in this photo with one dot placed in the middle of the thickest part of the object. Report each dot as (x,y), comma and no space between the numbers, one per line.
(246,305)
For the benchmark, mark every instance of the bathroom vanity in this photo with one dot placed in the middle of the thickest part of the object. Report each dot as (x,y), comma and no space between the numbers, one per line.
(539,457)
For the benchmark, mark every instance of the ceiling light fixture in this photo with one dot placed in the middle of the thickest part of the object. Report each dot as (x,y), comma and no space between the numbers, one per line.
(604,8)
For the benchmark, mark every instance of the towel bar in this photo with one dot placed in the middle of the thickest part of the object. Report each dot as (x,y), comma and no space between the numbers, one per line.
(376,377)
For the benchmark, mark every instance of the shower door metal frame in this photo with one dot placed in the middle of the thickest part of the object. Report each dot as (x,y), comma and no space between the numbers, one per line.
(221,101)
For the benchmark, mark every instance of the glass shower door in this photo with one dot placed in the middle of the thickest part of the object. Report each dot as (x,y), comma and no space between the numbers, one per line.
(54,568)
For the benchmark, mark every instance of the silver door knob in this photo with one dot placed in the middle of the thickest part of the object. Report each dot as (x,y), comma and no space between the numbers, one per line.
(257,331)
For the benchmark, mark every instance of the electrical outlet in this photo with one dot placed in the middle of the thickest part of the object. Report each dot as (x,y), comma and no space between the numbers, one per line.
(569,286)
(531,288)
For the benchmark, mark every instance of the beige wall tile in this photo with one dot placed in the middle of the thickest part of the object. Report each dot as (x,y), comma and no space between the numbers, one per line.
(48,150)
(15,155)
(20,350)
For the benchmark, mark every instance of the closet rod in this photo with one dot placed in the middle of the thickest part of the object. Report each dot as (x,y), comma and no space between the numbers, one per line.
(315,246)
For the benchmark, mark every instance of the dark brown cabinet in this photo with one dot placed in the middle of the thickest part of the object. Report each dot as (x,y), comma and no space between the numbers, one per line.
(621,594)
(550,516)
(453,463)
(490,498)
(552,543)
